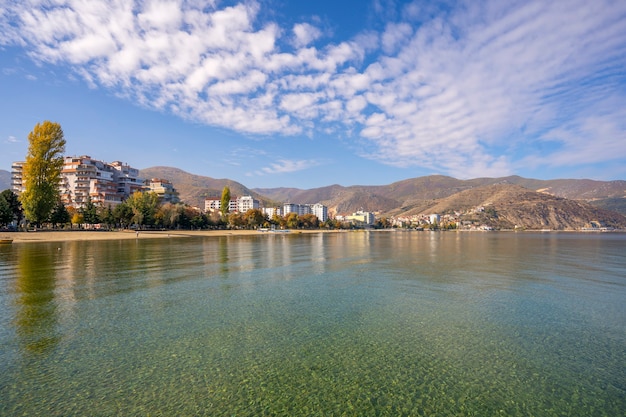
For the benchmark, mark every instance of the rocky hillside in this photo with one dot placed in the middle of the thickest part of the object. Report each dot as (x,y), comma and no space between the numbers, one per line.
(193,189)
(418,191)
(508,206)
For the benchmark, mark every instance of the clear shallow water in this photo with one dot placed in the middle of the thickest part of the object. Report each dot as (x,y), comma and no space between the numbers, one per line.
(447,324)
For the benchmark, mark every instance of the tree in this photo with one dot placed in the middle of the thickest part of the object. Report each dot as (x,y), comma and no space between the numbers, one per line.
(123,214)
(144,207)
(77,219)
(6,214)
(14,203)
(309,221)
(254,218)
(292,220)
(107,216)
(225,202)
(42,171)
(59,215)
(90,212)
(235,220)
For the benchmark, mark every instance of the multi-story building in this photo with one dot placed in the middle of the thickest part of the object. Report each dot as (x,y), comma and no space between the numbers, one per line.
(246,202)
(240,204)
(212,204)
(320,211)
(271,211)
(84,178)
(163,188)
(17,183)
(299,209)
(128,180)
(360,217)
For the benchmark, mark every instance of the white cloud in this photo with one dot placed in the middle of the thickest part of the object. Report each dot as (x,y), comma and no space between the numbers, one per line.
(283,166)
(394,36)
(448,90)
(304,34)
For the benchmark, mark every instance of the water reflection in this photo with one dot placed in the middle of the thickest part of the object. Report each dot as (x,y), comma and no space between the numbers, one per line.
(223,255)
(36,316)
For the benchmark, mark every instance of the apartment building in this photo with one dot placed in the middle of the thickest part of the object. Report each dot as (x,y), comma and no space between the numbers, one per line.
(246,202)
(127,177)
(271,211)
(17,182)
(319,210)
(299,209)
(163,188)
(83,178)
(360,217)
(213,204)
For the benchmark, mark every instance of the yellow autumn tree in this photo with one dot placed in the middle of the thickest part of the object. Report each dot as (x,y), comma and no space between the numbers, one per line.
(42,171)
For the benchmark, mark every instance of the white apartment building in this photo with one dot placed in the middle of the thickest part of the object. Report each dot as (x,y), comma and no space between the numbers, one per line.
(17,183)
(83,177)
(240,204)
(127,177)
(246,202)
(271,211)
(299,209)
(320,211)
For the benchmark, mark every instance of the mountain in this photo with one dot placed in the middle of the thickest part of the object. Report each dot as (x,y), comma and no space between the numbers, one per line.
(5,180)
(508,206)
(506,202)
(193,189)
(417,191)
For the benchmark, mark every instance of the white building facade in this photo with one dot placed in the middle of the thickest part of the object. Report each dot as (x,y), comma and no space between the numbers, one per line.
(84,178)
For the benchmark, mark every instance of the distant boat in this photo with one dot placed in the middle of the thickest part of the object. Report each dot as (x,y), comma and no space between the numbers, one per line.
(6,241)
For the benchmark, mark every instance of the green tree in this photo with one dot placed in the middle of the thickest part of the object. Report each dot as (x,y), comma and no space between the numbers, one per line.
(60,215)
(42,171)
(14,203)
(107,216)
(144,207)
(292,220)
(6,214)
(90,212)
(254,218)
(235,220)
(225,202)
(309,221)
(123,215)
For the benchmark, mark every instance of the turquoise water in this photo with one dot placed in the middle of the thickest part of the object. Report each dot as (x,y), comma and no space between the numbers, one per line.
(357,323)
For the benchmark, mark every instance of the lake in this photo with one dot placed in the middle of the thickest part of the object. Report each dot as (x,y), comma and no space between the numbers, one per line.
(354,323)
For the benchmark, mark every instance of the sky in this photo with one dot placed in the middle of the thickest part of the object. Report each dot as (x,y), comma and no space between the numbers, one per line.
(304,94)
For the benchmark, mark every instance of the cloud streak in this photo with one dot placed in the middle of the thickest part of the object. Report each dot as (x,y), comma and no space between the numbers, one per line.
(463,91)
(284,166)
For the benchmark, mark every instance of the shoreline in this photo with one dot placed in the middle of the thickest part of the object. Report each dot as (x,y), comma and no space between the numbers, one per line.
(83,235)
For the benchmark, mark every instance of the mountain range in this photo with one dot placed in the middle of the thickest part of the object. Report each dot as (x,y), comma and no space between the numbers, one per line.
(531,203)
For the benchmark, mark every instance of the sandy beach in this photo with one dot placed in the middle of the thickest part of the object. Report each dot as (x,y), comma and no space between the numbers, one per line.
(77,235)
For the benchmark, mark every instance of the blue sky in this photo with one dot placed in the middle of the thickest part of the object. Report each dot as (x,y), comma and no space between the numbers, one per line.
(305,94)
